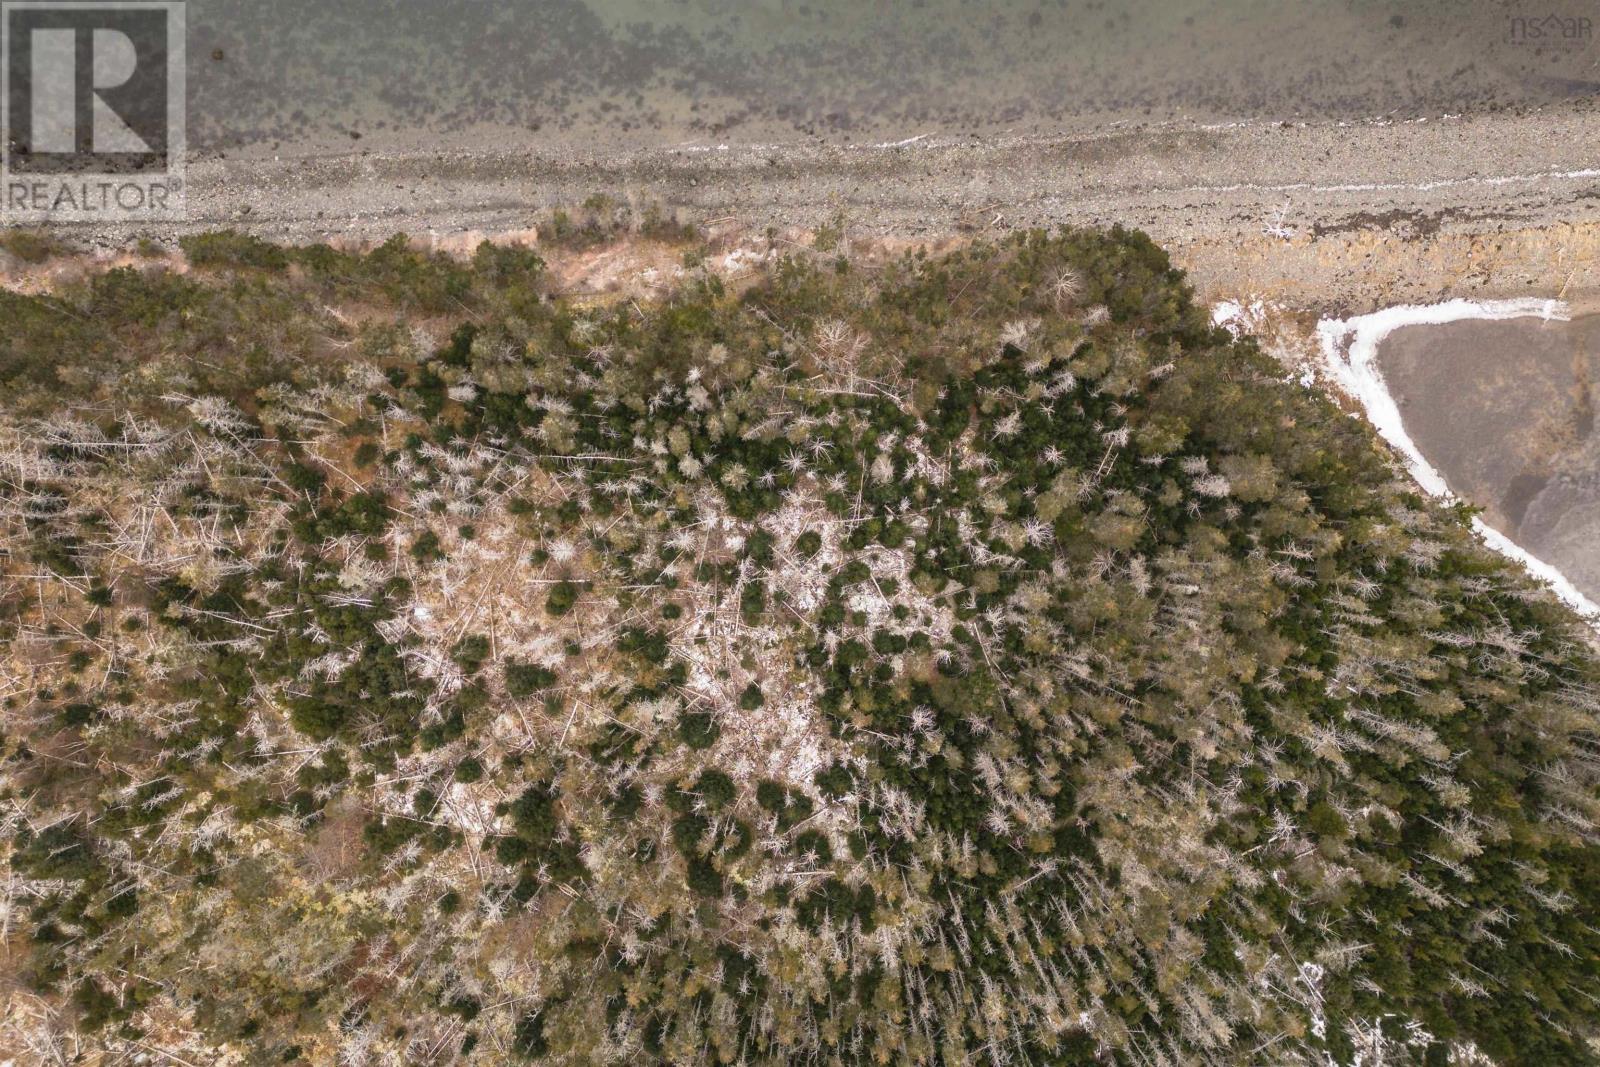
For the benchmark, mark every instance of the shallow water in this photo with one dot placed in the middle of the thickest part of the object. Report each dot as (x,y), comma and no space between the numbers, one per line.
(303,75)
(1505,411)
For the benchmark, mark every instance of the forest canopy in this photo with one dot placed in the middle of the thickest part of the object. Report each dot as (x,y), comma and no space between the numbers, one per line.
(970,659)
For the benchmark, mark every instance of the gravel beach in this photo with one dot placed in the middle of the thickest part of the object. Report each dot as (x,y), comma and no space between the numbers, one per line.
(1316,216)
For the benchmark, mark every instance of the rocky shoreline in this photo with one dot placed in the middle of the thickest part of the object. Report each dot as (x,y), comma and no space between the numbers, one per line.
(1334,217)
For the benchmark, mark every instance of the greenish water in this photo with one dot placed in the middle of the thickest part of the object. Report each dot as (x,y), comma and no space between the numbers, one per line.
(309,75)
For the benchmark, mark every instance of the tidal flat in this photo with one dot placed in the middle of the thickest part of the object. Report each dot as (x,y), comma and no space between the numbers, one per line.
(615,76)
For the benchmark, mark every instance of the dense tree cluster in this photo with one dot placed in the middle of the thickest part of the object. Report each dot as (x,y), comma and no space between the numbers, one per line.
(972,660)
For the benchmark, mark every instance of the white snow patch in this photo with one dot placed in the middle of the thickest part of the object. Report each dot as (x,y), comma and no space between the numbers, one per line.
(1242,317)
(1350,349)
(742,258)
(902,143)
(1584,174)
(1238,317)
